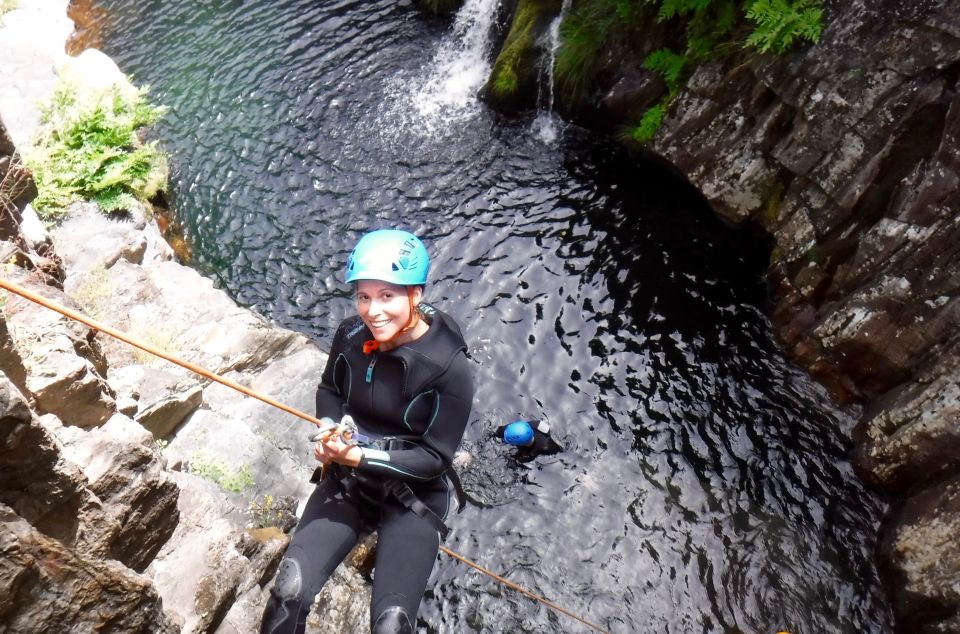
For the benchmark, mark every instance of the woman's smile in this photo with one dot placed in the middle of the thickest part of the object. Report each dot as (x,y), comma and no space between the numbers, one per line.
(384,308)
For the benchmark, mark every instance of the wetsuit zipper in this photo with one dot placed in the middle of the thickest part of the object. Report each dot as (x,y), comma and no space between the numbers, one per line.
(368,377)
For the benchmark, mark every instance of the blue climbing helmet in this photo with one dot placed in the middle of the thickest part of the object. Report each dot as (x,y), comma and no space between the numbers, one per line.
(389,255)
(518,433)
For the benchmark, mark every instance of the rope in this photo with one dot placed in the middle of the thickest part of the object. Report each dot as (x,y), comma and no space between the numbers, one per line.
(510,584)
(122,336)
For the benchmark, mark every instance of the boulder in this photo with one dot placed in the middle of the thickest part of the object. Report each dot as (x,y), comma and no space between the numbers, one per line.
(11,364)
(62,359)
(125,470)
(911,437)
(514,81)
(164,416)
(42,582)
(39,484)
(923,553)
(212,558)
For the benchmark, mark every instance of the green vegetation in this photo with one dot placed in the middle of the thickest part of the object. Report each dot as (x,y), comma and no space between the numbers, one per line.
(6,6)
(87,149)
(712,29)
(266,512)
(220,473)
(515,53)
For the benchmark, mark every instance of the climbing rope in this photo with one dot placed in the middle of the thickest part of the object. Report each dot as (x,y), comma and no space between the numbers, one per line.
(122,336)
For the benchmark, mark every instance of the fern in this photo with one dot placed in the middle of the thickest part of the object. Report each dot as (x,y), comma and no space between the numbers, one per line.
(667,63)
(781,22)
(644,131)
(87,148)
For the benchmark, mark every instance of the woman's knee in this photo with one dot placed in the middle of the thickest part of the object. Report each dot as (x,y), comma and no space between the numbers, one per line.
(391,620)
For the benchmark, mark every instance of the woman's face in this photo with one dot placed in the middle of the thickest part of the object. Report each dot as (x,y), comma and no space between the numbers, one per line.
(384,307)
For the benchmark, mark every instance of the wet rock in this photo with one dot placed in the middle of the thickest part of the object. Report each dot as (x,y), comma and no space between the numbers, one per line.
(513,83)
(912,437)
(87,16)
(43,582)
(924,554)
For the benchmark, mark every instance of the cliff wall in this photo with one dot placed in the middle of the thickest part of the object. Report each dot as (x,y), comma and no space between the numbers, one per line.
(847,152)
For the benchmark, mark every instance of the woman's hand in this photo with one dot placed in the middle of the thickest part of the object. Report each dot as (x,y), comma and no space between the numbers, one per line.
(333,449)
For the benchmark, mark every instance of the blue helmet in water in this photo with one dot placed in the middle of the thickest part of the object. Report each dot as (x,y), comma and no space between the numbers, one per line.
(518,433)
(389,255)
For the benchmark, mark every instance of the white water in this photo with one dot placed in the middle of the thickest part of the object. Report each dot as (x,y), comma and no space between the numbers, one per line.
(547,123)
(460,66)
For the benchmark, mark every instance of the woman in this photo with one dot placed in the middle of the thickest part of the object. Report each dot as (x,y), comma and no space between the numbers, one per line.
(399,369)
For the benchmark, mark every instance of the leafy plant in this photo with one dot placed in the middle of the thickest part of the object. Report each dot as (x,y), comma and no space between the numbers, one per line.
(87,149)
(269,511)
(712,28)
(582,34)
(780,23)
(220,473)
(649,124)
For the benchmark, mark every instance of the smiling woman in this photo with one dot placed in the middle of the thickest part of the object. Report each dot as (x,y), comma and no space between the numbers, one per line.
(411,411)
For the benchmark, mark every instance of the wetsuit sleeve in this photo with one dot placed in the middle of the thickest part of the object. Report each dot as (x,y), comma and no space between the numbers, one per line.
(329,399)
(427,457)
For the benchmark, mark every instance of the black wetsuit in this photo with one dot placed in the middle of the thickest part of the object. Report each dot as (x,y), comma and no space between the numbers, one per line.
(413,402)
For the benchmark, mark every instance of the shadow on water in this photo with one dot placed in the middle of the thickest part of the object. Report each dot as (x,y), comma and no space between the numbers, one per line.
(704,485)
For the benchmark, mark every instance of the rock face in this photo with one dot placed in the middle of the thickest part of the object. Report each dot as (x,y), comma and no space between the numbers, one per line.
(43,582)
(848,153)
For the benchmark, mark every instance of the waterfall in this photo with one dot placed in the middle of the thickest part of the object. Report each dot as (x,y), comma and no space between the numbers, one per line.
(546,122)
(460,66)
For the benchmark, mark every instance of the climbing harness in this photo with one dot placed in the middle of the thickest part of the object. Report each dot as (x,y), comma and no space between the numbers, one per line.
(323,424)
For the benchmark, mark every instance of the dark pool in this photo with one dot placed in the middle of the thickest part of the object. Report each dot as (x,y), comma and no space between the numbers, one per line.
(705,486)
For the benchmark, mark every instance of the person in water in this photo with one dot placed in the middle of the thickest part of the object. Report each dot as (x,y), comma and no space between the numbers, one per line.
(531,438)
(399,371)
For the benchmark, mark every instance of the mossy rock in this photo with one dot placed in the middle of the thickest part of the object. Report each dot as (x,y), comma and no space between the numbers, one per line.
(513,84)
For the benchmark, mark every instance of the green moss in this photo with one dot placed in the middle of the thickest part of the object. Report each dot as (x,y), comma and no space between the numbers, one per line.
(87,148)
(505,83)
(771,212)
(508,68)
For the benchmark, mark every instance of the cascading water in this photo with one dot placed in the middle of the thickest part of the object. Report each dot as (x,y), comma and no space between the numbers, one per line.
(459,68)
(547,123)
(704,485)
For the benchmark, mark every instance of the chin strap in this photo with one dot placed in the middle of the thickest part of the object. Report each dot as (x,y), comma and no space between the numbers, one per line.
(371,346)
